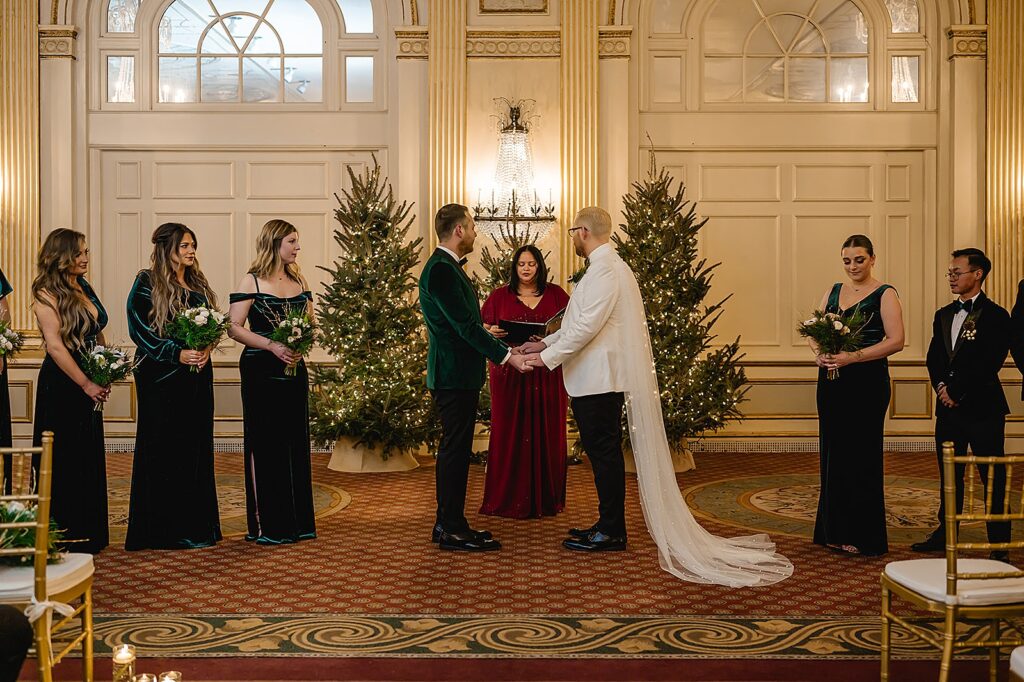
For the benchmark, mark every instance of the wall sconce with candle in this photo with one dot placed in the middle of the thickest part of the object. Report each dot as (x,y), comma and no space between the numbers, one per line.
(515,206)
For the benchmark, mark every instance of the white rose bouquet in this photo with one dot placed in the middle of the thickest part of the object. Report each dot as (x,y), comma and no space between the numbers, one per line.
(198,328)
(10,340)
(105,365)
(13,511)
(296,332)
(834,333)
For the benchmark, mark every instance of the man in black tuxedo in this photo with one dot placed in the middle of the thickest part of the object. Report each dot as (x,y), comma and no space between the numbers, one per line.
(970,340)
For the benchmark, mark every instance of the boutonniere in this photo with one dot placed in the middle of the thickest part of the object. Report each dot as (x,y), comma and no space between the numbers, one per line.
(970,329)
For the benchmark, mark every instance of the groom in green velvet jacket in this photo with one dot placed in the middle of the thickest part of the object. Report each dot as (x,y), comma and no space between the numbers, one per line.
(456,369)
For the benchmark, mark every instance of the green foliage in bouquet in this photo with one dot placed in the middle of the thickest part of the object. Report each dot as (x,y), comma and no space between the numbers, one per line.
(104,365)
(198,328)
(370,323)
(10,341)
(834,333)
(701,382)
(24,538)
(296,331)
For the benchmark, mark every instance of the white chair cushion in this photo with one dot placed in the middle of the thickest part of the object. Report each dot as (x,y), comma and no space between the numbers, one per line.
(927,577)
(16,581)
(1017,661)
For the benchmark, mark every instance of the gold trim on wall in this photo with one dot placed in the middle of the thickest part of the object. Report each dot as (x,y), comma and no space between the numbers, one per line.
(447,47)
(29,403)
(19,152)
(1004,156)
(928,401)
(778,415)
(542,8)
(226,417)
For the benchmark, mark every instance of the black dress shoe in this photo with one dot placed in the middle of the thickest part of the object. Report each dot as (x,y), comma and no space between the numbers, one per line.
(467,542)
(596,542)
(936,542)
(999,555)
(582,533)
(435,534)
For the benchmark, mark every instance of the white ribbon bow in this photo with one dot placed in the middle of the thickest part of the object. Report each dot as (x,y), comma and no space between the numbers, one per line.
(38,609)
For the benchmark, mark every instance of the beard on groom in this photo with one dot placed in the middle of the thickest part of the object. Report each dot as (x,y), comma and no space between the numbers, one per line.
(459,348)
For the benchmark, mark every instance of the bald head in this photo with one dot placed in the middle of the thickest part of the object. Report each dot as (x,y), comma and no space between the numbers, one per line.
(597,220)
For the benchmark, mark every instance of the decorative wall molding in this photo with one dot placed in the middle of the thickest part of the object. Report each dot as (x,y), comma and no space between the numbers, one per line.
(613,43)
(967,41)
(414,43)
(518,43)
(57,42)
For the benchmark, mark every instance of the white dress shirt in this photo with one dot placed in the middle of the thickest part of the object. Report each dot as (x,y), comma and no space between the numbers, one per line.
(590,342)
(958,321)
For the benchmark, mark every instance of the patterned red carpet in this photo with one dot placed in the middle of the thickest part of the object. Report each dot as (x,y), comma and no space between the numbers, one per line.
(372,585)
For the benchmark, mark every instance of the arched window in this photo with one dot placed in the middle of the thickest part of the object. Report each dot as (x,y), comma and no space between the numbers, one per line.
(904,15)
(786,51)
(241,52)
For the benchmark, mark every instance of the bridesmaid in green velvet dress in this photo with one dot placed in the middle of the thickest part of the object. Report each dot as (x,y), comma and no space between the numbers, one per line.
(852,407)
(5,396)
(275,406)
(174,496)
(71,319)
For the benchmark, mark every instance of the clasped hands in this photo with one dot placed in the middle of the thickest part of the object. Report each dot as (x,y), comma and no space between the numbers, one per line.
(199,358)
(836,360)
(526,357)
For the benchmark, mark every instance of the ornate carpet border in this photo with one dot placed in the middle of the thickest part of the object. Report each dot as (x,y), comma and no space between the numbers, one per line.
(343,635)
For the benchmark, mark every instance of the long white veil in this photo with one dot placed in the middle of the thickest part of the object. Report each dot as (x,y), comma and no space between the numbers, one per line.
(685,549)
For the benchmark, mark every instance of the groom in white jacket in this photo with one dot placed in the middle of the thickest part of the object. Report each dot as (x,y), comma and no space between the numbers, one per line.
(590,348)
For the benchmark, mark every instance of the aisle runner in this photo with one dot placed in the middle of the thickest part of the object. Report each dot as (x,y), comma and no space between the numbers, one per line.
(373,585)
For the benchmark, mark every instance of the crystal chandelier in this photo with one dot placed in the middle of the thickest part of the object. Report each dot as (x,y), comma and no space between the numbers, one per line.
(514,208)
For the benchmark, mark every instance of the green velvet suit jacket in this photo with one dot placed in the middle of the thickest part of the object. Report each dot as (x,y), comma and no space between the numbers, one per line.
(459,343)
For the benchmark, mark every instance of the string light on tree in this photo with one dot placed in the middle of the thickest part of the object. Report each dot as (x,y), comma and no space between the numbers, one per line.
(370,324)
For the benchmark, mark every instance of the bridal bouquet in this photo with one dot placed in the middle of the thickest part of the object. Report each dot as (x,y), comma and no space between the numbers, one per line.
(198,328)
(296,332)
(24,538)
(105,365)
(834,333)
(10,340)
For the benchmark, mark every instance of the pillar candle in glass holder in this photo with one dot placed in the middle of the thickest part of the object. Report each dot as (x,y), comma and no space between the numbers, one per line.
(170,676)
(124,663)
(144,677)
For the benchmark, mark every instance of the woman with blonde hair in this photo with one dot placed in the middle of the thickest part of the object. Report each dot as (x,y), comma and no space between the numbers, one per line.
(71,319)
(275,403)
(174,436)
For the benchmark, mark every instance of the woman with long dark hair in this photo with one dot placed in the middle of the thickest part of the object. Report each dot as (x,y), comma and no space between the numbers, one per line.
(852,407)
(71,319)
(275,402)
(527,451)
(174,495)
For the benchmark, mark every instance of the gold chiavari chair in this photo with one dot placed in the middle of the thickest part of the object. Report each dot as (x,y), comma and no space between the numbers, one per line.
(42,588)
(958,589)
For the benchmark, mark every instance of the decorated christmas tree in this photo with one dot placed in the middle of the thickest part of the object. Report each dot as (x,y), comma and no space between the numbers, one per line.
(701,386)
(376,393)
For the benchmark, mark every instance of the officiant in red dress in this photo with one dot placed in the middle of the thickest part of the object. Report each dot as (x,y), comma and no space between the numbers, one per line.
(527,451)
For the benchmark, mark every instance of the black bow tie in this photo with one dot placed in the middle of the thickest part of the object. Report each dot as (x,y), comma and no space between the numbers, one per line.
(964,305)
(462,262)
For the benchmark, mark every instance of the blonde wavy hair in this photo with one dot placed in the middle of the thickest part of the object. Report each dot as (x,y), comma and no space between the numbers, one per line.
(268,250)
(52,286)
(169,297)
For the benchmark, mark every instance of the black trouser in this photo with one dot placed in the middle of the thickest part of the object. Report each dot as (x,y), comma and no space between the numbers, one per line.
(457,409)
(985,437)
(599,418)
(15,640)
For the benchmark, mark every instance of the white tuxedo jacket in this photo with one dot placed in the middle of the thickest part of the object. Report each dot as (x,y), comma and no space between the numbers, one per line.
(590,344)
